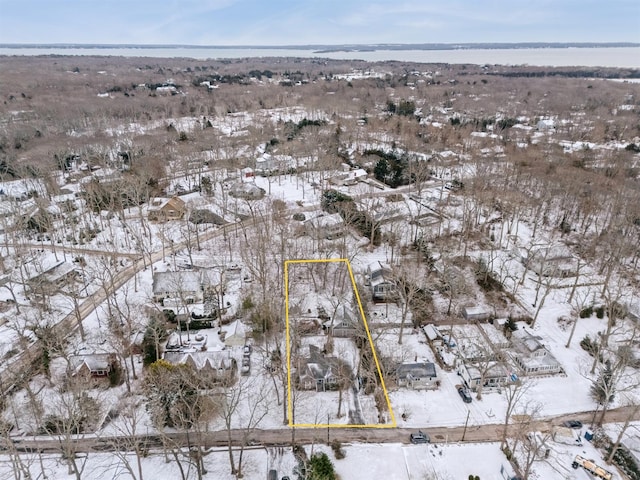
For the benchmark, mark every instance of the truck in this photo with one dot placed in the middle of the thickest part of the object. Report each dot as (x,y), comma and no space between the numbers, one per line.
(591,467)
(566,435)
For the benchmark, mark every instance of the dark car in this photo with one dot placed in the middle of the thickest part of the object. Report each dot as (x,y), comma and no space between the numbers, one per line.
(573,424)
(419,437)
(465,395)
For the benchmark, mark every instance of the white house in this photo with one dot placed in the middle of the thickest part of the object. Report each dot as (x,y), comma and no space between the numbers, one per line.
(186,286)
(531,356)
(495,375)
(552,260)
(325,226)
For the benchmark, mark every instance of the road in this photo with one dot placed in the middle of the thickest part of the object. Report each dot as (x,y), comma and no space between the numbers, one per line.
(20,368)
(283,436)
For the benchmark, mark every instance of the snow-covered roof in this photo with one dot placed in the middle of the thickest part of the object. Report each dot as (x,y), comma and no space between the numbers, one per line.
(325,221)
(94,362)
(217,360)
(416,370)
(377,272)
(21,189)
(53,273)
(171,282)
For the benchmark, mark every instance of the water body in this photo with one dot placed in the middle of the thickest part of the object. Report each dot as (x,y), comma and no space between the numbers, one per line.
(623,57)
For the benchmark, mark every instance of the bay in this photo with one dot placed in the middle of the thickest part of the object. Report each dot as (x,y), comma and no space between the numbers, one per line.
(622,57)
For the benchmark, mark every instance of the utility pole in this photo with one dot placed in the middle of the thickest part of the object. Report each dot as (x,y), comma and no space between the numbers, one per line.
(466,422)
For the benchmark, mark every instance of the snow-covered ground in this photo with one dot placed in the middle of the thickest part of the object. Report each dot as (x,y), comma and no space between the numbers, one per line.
(442,461)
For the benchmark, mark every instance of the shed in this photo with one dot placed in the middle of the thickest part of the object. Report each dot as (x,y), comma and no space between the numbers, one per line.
(431,332)
(476,313)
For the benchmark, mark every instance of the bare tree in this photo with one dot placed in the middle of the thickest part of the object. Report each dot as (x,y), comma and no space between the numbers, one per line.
(514,393)
(126,439)
(243,406)
(634,408)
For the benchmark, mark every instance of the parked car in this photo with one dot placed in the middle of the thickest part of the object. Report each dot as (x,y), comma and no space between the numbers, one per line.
(465,394)
(247,350)
(576,424)
(419,437)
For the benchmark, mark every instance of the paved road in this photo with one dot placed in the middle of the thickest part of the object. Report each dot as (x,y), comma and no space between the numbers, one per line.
(21,367)
(283,436)
(72,250)
(18,369)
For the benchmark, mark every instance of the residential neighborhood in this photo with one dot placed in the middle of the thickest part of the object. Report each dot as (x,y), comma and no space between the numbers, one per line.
(417,270)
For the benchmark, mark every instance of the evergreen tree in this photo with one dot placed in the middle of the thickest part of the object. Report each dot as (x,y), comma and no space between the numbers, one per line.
(321,468)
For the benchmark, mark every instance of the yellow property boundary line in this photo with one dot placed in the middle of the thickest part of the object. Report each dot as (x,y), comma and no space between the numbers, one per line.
(393,423)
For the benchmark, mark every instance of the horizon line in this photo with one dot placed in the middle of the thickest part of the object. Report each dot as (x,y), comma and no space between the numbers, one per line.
(399,45)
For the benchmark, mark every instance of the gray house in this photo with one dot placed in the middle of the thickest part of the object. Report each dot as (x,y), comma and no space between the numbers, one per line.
(344,323)
(319,372)
(418,376)
(246,191)
(379,279)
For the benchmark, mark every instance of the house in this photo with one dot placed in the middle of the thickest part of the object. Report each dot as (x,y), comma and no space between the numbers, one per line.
(165,209)
(183,285)
(96,365)
(343,324)
(246,191)
(495,333)
(247,174)
(418,376)
(53,279)
(167,90)
(319,372)
(475,313)
(379,280)
(219,365)
(385,214)
(351,177)
(495,375)
(23,189)
(552,261)
(267,165)
(531,356)
(325,226)
(546,124)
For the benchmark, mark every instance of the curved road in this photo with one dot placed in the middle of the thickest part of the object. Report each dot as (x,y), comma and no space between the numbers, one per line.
(20,367)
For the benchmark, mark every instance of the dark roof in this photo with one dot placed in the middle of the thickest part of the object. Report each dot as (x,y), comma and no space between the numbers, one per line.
(416,370)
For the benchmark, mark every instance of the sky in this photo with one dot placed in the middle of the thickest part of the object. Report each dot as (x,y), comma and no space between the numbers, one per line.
(317,22)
